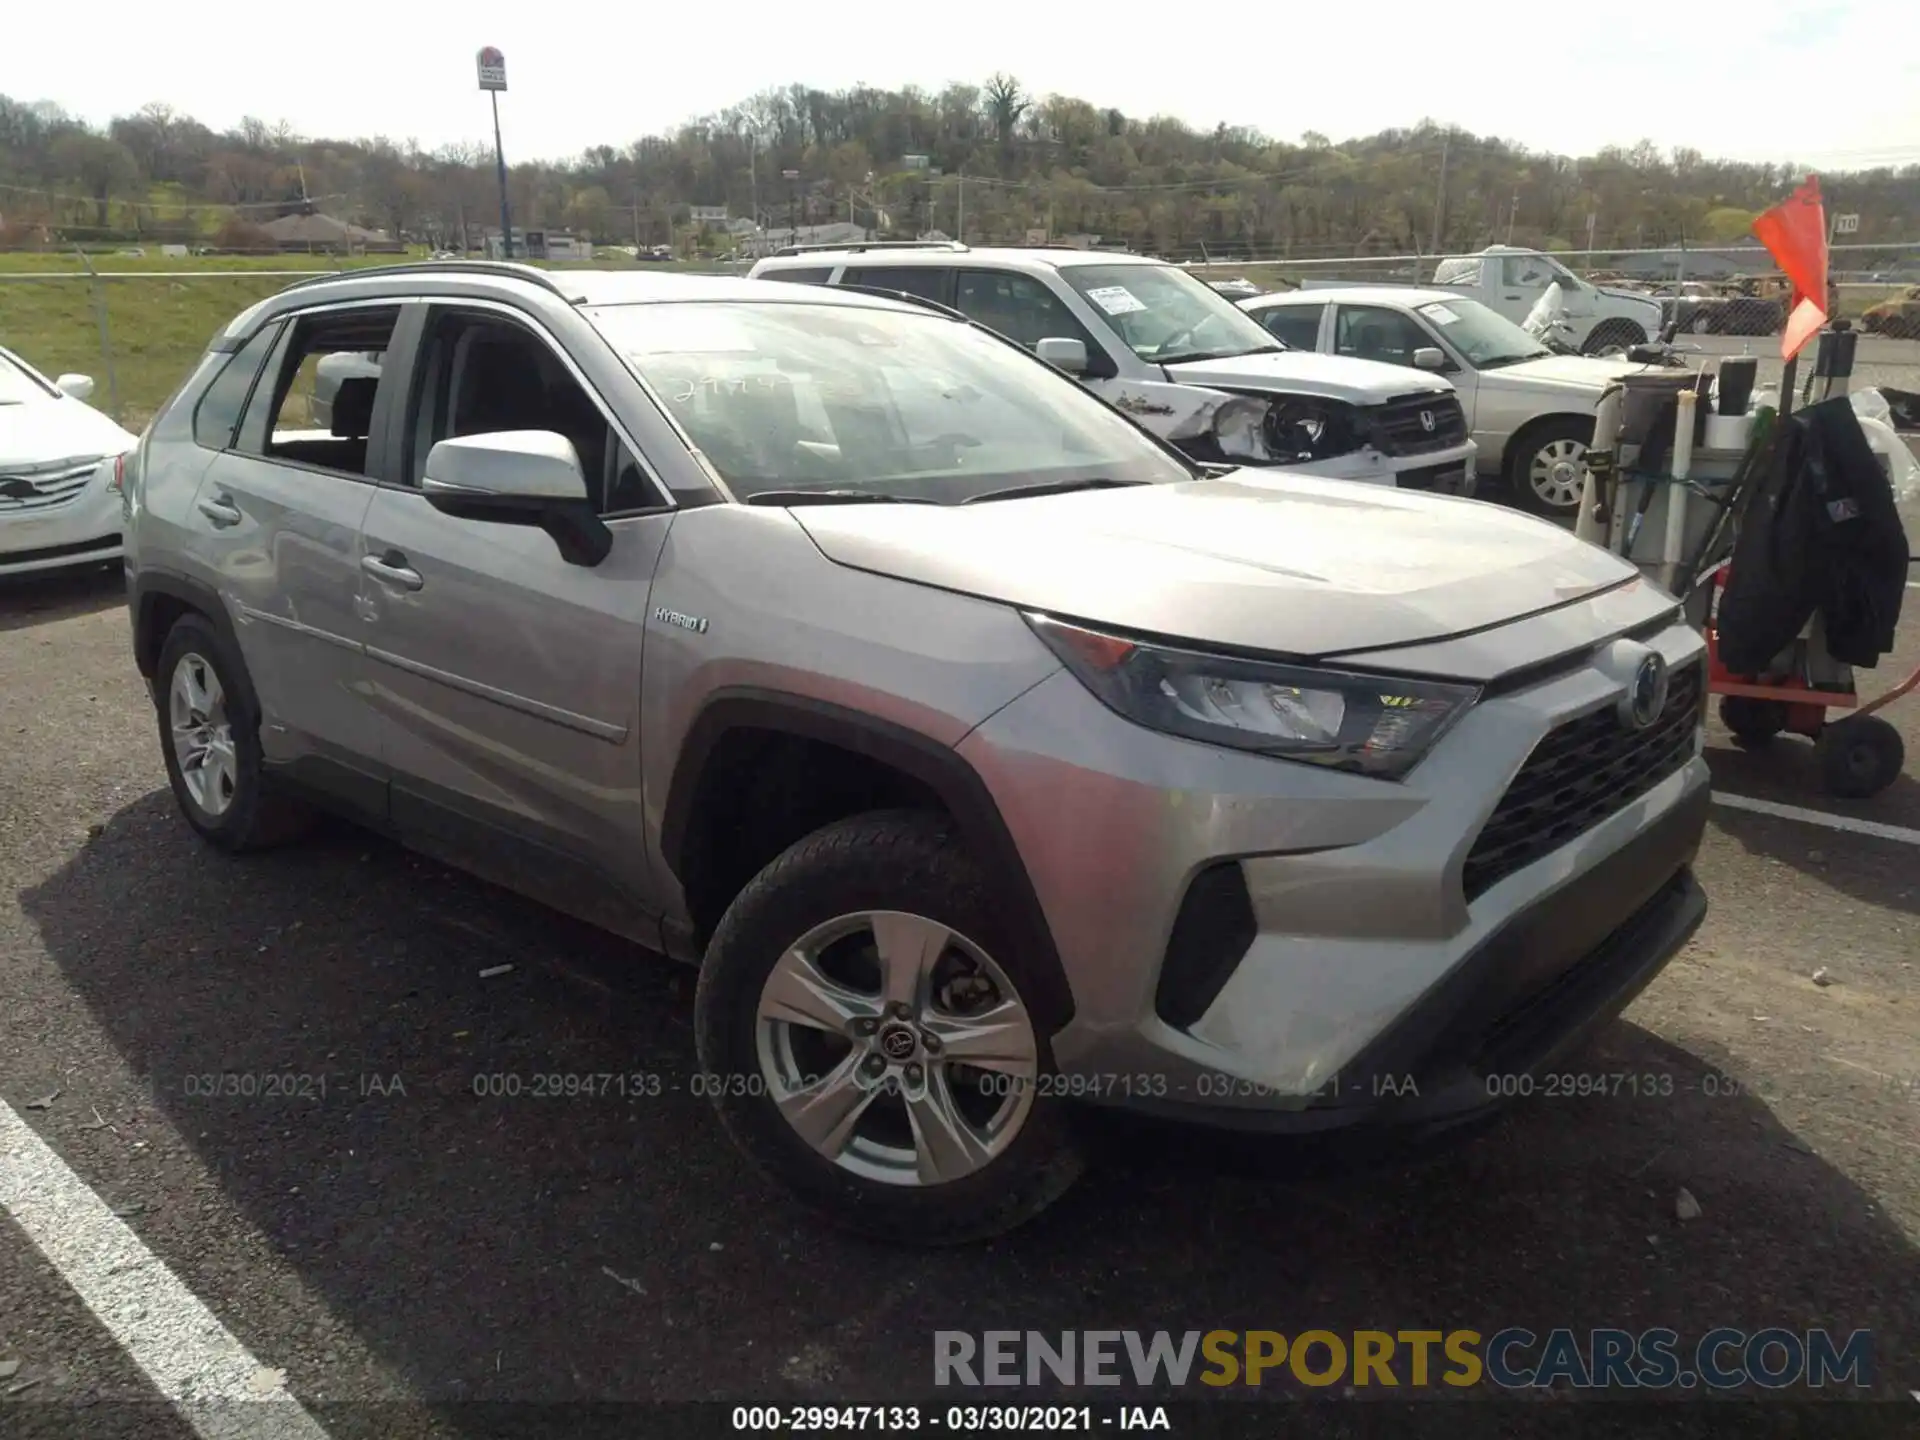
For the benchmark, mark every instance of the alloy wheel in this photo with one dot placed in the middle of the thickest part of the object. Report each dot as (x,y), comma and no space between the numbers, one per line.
(896,1048)
(1557,473)
(202,734)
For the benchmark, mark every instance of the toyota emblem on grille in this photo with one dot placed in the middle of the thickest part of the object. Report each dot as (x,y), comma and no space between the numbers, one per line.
(1647,694)
(1427,422)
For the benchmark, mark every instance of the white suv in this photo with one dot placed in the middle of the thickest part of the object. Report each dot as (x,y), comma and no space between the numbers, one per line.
(1179,358)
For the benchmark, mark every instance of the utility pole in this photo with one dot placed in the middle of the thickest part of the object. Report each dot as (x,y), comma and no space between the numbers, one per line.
(1440,192)
(792,177)
(1513,210)
(493,79)
(960,216)
(753,177)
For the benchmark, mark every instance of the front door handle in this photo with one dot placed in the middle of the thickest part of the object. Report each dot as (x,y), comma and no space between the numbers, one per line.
(221,510)
(392,569)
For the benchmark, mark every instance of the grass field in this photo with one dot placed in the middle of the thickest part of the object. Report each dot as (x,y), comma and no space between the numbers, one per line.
(160,314)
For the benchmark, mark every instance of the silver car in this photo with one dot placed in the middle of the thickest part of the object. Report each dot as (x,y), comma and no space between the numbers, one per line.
(987,755)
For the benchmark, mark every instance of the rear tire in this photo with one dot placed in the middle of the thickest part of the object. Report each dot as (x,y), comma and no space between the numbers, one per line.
(798,966)
(210,737)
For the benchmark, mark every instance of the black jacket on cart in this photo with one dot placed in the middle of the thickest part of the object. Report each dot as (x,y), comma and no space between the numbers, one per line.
(1818,533)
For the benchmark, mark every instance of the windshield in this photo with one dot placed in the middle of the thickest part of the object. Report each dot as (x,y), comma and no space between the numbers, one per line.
(20,383)
(1484,338)
(902,405)
(1165,315)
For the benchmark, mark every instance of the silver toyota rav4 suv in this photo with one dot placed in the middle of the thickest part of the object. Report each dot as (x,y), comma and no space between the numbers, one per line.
(986,754)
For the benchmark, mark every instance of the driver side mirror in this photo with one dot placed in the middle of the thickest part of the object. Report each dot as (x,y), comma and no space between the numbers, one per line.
(74,387)
(1429,357)
(1063,353)
(519,477)
(1567,282)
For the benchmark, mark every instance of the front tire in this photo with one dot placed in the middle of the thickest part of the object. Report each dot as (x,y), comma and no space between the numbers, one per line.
(869,1034)
(1548,468)
(210,738)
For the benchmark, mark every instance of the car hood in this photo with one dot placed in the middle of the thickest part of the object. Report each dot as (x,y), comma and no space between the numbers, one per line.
(1301,372)
(40,432)
(1572,372)
(1639,296)
(1285,564)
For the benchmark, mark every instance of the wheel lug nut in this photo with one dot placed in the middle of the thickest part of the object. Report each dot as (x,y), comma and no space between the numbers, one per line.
(875,1065)
(914,1074)
(931,1043)
(865,1025)
(900,1010)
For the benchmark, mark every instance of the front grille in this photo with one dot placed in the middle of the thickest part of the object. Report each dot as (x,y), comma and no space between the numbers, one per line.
(1578,775)
(33,491)
(1400,426)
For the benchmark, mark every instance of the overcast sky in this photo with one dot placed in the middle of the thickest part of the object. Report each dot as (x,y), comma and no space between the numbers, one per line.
(1835,85)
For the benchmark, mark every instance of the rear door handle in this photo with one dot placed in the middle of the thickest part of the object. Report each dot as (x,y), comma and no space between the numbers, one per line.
(221,510)
(392,569)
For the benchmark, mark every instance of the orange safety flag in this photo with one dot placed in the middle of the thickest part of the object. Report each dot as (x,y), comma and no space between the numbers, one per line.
(1795,234)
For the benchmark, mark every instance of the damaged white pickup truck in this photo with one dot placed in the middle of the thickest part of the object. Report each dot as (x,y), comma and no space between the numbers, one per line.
(1180,358)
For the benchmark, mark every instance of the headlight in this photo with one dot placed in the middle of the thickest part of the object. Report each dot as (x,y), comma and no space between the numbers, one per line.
(1239,428)
(1373,724)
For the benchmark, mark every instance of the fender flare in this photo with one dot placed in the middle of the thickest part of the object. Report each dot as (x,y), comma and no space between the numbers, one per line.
(144,588)
(940,768)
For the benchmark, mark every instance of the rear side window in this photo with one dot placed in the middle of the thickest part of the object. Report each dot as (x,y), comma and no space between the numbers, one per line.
(218,412)
(927,281)
(814,276)
(1295,326)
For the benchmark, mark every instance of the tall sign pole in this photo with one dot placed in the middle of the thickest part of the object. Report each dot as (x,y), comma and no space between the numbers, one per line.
(493,79)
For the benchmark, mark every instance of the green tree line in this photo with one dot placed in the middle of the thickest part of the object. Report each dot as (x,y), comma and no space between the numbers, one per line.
(989,160)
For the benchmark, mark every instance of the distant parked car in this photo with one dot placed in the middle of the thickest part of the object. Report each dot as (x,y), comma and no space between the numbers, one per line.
(59,501)
(1696,308)
(1898,317)
(1529,411)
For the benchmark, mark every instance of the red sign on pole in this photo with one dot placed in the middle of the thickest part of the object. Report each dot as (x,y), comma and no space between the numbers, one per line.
(493,69)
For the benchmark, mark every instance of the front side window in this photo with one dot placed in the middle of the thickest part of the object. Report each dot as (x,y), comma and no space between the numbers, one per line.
(1372,332)
(1166,316)
(930,282)
(1295,326)
(1017,306)
(901,404)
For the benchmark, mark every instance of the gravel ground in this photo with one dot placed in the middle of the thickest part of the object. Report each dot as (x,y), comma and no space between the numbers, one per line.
(399,1238)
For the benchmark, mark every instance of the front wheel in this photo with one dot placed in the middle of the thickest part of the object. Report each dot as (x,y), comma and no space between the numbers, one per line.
(870,1036)
(1548,471)
(1614,337)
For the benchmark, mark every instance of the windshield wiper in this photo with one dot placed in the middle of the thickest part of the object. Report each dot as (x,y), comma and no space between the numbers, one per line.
(1499,361)
(833,497)
(1051,487)
(1193,355)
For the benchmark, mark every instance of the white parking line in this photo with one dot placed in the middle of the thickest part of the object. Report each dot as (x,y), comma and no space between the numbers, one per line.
(192,1359)
(1818,817)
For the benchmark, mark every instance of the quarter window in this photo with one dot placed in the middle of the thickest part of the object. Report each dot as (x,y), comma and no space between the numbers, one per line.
(930,282)
(218,413)
(1295,326)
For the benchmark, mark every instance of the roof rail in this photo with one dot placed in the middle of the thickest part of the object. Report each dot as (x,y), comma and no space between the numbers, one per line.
(860,245)
(504,269)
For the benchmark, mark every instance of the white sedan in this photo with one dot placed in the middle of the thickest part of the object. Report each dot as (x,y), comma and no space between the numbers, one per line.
(1530,411)
(59,500)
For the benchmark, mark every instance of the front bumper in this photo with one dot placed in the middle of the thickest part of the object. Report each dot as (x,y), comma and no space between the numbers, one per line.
(1446,472)
(83,530)
(1370,972)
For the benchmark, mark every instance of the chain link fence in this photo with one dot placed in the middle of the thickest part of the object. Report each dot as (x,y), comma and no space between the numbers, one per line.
(138,330)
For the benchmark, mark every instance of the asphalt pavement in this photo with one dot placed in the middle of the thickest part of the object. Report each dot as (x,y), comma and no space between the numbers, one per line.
(388,1246)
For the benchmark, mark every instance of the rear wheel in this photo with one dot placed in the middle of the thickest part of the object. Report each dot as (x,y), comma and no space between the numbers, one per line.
(869,1035)
(1614,337)
(210,737)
